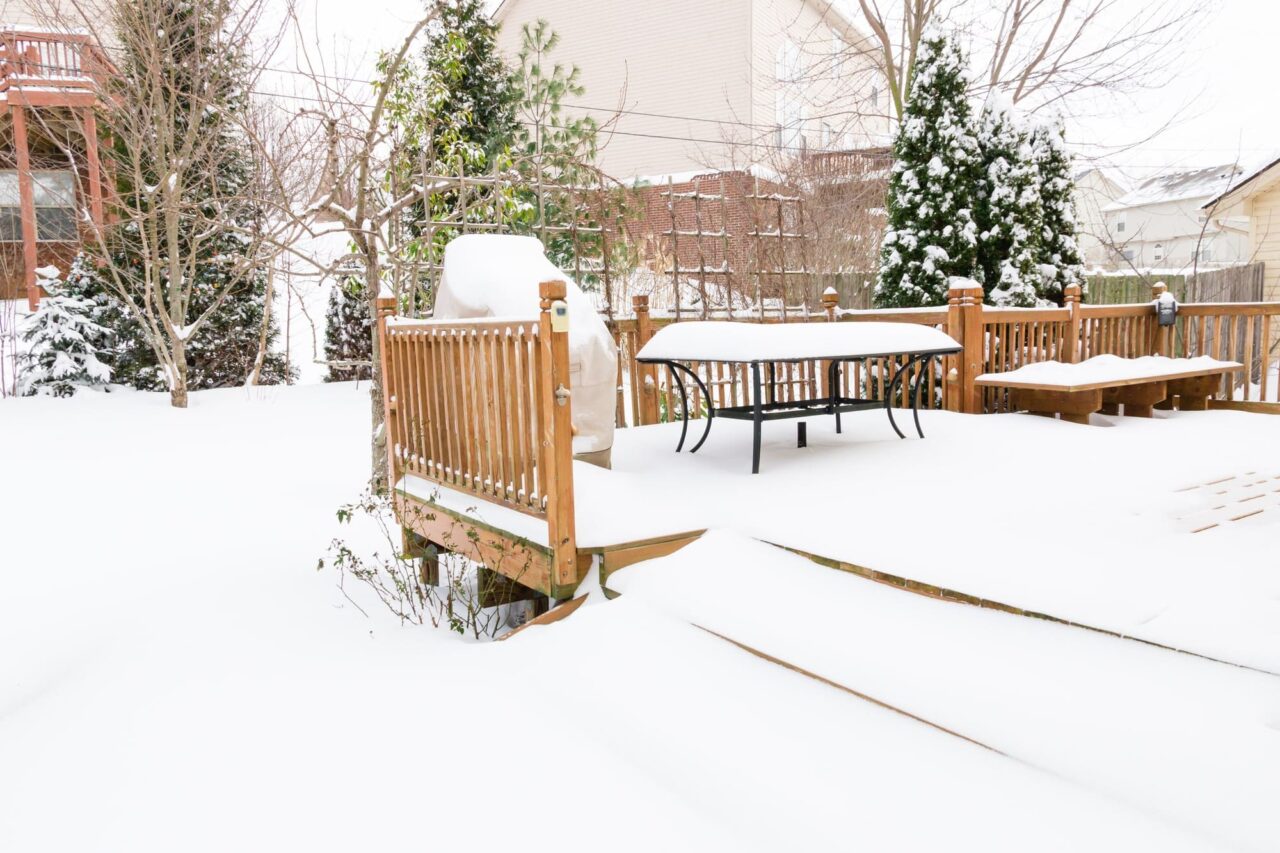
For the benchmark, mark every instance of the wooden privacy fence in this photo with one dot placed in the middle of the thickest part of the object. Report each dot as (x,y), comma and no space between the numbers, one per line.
(480,409)
(1244,283)
(994,340)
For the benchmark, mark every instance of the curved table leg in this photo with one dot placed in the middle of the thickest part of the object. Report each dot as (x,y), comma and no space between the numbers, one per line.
(684,403)
(894,383)
(706,395)
(833,386)
(926,364)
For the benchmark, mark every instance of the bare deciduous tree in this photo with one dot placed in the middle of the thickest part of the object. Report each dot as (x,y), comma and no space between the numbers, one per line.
(185,230)
(1039,52)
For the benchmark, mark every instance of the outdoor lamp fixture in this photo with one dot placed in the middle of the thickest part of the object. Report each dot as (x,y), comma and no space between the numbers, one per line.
(1166,309)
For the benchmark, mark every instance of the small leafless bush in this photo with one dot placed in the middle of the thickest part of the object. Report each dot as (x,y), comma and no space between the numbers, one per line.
(458,595)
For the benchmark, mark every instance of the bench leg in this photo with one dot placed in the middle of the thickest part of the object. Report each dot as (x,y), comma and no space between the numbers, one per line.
(1194,393)
(1074,406)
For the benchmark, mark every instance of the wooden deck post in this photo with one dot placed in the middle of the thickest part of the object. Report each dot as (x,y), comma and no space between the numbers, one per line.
(556,454)
(1159,344)
(26,198)
(830,303)
(386,307)
(94,167)
(1071,301)
(647,373)
(964,323)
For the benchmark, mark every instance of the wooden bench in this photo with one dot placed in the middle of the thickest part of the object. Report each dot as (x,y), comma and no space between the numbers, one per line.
(1190,389)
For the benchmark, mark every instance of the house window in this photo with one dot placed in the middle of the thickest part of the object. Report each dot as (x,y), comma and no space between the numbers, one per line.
(1205,254)
(1120,224)
(55,202)
(828,135)
(1128,255)
(1157,252)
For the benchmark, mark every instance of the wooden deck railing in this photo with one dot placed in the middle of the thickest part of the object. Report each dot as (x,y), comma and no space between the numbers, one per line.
(481,407)
(995,340)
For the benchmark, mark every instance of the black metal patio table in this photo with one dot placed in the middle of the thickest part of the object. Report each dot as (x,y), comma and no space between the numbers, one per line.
(836,344)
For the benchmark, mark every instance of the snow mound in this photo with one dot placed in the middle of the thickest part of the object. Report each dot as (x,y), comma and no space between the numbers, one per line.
(497,275)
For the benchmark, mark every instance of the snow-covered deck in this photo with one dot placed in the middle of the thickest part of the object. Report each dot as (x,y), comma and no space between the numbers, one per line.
(1156,529)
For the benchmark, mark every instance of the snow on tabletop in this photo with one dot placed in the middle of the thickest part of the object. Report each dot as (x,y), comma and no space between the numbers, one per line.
(1106,368)
(1153,728)
(720,340)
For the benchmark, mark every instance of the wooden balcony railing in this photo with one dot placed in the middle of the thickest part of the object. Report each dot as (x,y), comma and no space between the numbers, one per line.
(36,67)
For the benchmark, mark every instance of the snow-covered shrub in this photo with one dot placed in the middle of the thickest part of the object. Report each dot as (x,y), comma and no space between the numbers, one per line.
(459,594)
(1008,210)
(932,233)
(61,345)
(1059,249)
(348,331)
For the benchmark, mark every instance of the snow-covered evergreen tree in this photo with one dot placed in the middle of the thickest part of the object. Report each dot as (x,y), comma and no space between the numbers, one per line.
(61,345)
(932,233)
(348,331)
(1059,251)
(1008,209)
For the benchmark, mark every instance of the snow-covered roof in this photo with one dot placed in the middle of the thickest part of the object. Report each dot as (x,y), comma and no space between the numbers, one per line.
(1178,186)
(1249,180)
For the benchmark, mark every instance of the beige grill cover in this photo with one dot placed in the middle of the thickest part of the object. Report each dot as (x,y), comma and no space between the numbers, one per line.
(497,275)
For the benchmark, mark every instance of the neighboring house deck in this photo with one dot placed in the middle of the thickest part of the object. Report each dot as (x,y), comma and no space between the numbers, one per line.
(50,179)
(1160,223)
(709,86)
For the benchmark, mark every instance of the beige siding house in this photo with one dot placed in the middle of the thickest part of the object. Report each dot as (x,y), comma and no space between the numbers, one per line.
(714,84)
(1256,197)
(1161,225)
(1094,191)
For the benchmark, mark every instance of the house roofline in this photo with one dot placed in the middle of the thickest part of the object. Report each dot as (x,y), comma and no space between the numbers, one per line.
(1258,173)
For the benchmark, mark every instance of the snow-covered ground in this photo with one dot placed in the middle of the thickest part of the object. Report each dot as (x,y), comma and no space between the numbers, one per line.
(1092,524)
(178,676)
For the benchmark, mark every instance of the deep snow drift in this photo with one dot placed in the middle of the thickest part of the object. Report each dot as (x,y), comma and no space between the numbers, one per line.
(177,676)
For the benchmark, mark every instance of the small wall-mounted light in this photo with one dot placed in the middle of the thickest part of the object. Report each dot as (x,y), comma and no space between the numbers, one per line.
(559,316)
(1166,309)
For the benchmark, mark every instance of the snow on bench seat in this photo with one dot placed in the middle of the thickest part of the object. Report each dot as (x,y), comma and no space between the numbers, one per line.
(726,341)
(1105,371)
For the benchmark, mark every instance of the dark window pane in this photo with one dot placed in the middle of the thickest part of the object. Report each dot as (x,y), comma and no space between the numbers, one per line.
(56,224)
(10,225)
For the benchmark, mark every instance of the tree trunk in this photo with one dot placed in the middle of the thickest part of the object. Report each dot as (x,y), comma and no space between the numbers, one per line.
(178,387)
(378,444)
(256,377)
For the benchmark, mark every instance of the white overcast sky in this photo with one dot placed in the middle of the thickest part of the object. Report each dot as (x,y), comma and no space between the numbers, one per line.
(1221,106)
